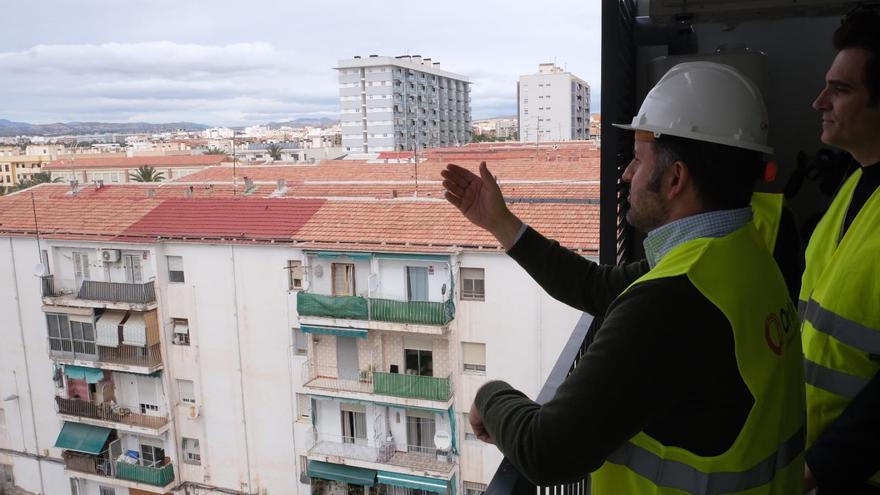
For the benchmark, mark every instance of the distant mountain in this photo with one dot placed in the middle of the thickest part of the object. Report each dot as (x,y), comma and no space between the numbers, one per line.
(10,128)
(315,122)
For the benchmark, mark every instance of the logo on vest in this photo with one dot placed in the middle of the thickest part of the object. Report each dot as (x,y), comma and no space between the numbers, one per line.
(777,328)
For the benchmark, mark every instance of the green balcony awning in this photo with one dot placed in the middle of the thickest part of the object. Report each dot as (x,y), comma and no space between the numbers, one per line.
(82,438)
(341,254)
(337,331)
(340,472)
(90,375)
(416,482)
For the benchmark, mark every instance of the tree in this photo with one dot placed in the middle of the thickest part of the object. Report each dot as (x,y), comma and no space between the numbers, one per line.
(213,150)
(274,151)
(37,178)
(146,174)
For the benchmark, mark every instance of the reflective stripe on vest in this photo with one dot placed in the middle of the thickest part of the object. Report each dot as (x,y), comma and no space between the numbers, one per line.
(849,332)
(836,382)
(680,476)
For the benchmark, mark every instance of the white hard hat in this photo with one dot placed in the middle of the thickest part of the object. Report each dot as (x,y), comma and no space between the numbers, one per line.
(705,101)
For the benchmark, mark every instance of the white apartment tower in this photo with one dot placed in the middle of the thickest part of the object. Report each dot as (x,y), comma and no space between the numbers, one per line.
(401,103)
(553,105)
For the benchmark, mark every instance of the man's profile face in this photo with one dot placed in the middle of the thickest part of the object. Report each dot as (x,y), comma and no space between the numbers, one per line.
(648,209)
(849,120)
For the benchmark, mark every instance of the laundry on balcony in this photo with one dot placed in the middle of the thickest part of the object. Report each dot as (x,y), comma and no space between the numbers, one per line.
(134,331)
(335,331)
(433,485)
(341,472)
(83,438)
(108,328)
(90,375)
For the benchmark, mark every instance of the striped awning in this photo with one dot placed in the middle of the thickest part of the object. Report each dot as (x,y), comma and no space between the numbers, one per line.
(337,331)
(416,482)
(342,472)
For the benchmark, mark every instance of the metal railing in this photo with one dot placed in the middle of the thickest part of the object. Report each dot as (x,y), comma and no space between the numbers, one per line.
(327,377)
(412,386)
(47,286)
(118,292)
(360,449)
(101,465)
(108,412)
(375,309)
(90,464)
(124,354)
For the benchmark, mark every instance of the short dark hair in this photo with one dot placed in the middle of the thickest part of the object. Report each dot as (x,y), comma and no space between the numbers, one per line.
(724,176)
(861,29)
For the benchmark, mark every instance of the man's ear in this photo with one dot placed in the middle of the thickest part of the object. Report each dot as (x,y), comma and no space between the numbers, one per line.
(678,179)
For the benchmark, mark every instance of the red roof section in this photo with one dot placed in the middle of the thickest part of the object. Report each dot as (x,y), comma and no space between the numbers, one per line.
(137,161)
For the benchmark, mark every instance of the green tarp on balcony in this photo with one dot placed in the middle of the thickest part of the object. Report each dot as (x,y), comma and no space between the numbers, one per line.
(340,472)
(78,437)
(337,331)
(351,307)
(411,386)
(157,476)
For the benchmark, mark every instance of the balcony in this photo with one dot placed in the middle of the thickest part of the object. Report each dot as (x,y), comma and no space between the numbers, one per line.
(95,294)
(102,466)
(416,457)
(122,358)
(371,309)
(110,413)
(378,383)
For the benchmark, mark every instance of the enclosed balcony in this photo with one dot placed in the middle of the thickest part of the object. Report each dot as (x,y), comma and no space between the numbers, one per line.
(371,309)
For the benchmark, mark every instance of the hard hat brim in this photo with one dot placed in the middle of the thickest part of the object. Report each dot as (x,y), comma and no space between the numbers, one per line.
(658,132)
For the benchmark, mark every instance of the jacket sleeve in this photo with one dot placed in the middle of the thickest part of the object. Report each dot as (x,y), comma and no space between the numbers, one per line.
(847,453)
(569,277)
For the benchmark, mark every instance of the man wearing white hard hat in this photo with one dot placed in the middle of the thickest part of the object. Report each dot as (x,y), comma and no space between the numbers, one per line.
(694,381)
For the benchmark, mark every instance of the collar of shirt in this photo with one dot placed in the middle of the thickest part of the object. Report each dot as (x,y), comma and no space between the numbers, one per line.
(712,224)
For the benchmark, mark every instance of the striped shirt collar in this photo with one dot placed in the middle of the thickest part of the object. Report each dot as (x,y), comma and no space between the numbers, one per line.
(711,224)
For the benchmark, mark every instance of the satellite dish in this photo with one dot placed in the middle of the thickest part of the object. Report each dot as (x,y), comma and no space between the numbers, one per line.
(40,270)
(442,440)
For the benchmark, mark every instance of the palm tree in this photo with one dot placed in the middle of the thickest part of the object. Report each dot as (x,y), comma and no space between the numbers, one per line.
(146,173)
(213,150)
(274,151)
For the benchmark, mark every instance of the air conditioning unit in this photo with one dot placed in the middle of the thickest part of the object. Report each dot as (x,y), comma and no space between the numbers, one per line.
(110,255)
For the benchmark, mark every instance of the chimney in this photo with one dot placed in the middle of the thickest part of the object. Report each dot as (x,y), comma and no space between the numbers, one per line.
(74,186)
(188,192)
(394,193)
(248,184)
(99,183)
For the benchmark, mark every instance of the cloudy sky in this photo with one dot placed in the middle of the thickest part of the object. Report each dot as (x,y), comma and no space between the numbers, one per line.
(243,62)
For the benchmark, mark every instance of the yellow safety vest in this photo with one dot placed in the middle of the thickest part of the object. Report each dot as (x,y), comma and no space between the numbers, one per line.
(840,308)
(738,275)
(767,215)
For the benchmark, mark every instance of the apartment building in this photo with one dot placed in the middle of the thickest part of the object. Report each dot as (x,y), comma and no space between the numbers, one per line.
(401,103)
(266,343)
(118,169)
(553,105)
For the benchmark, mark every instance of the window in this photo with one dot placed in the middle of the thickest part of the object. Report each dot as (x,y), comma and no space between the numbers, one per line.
(474,357)
(187,391)
(74,486)
(468,429)
(294,274)
(175,269)
(300,342)
(303,407)
(420,430)
(354,424)
(2,419)
(343,279)
(191,453)
(105,490)
(417,283)
(149,408)
(152,456)
(82,335)
(80,268)
(180,327)
(304,470)
(473,286)
(59,333)
(471,488)
(418,356)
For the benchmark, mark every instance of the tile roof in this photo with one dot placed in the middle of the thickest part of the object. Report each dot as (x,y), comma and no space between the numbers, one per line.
(137,161)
